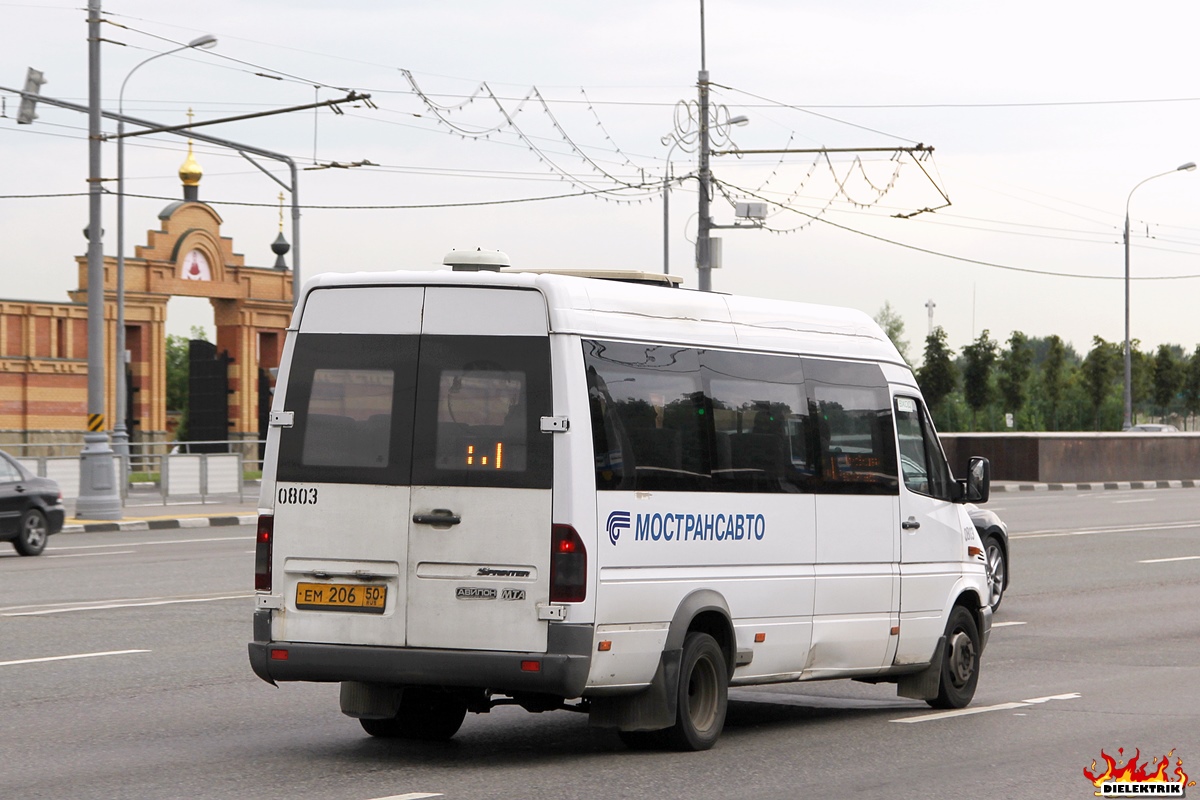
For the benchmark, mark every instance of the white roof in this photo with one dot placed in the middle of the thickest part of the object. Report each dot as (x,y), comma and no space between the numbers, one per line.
(612,309)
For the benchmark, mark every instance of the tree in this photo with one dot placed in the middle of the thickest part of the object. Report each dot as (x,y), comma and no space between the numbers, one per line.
(1191,384)
(1054,378)
(1168,378)
(1099,373)
(938,376)
(1016,363)
(177,373)
(978,360)
(1142,382)
(893,326)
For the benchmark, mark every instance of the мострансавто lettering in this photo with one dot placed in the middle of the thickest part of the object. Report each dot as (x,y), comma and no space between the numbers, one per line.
(699,527)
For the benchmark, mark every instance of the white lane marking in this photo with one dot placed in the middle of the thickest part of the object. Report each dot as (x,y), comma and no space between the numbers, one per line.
(963,712)
(1067,696)
(411,796)
(69,658)
(1174,526)
(1005,624)
(141,544)
(1139,500)
(53,554)
(1165,560)
(106,605)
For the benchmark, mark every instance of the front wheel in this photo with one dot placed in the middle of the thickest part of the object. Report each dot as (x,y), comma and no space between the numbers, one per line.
(703,694)
(31,538)
(425,714)
(997,570)
(960,661)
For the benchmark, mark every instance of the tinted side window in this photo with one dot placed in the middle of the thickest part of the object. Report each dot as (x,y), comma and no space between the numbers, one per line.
(650,416)
(922,463)
(9,473)
(480,400)
(760,422)
(852,415)
(352,402)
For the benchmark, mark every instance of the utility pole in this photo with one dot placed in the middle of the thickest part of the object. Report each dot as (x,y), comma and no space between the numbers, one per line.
(704,224)
(98,494)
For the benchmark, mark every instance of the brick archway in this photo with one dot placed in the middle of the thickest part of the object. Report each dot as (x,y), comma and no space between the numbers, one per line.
(188,257)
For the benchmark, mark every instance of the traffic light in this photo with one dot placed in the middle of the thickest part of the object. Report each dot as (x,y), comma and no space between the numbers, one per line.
(33,87)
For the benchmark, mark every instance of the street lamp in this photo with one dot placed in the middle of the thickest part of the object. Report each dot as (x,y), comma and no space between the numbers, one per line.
(675,142)
(120,434)
(1188,167)
(699,139)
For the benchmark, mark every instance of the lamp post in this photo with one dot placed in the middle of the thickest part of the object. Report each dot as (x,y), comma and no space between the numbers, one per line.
(1188,167)
(676,141)
(120,434)
(699,137)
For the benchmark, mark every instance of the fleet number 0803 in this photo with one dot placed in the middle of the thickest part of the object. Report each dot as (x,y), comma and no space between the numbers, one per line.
(291,495)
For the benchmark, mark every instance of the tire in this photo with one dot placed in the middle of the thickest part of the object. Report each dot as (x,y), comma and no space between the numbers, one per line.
(703,695)
(33,533)
(425,714)
(960,661)
(997,570)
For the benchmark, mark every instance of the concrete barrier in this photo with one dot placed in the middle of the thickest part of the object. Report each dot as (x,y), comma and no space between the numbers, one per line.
(1078,457)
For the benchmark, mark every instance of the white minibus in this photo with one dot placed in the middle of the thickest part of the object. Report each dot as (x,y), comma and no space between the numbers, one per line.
(604,494)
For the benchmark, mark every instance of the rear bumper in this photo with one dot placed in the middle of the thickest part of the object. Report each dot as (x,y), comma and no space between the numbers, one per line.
(55,515)
(562,670)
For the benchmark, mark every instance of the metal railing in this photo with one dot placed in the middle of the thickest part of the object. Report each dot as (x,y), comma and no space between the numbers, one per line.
(175,469)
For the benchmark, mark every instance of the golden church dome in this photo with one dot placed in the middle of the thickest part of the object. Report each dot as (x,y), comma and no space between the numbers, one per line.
(190,171)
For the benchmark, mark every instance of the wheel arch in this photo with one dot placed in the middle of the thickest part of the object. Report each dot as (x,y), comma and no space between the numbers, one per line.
(979,611)
(706,611)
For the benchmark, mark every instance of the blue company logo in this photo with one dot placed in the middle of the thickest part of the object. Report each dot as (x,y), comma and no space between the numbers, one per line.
(617,521)
(687,527)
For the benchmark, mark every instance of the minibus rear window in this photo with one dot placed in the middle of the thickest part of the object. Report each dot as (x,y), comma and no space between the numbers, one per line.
(351,396)
(479,403)
(425,410)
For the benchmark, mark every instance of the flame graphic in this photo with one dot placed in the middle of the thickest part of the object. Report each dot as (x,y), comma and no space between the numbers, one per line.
(1133,772)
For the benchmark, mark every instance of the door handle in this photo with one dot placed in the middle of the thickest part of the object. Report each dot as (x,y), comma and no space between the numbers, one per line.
(440,517)
(910,524)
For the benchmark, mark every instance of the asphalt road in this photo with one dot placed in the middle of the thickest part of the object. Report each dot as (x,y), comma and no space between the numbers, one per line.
(123,674)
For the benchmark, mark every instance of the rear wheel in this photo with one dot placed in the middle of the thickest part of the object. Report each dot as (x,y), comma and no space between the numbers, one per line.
(960,662)
(31,538)
(425,714)
(703,695)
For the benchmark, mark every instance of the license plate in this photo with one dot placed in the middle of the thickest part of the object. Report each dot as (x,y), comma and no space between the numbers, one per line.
(362,597)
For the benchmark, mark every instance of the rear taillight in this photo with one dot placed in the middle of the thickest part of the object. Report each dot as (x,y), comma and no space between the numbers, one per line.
(262,552)
(568,566)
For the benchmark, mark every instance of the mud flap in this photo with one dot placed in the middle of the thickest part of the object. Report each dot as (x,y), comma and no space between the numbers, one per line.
(651,709)
(924,685)
(370,700)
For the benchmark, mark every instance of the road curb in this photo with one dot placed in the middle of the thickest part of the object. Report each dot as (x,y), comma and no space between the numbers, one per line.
(215,521)
(1093,487)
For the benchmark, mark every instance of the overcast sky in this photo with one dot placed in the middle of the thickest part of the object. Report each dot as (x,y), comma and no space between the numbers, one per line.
(1043,118)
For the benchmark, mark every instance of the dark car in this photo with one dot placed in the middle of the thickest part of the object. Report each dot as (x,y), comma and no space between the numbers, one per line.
(994,534)
(31,508)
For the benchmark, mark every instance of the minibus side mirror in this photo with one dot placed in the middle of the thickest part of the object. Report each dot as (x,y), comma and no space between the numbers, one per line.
(977,486)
